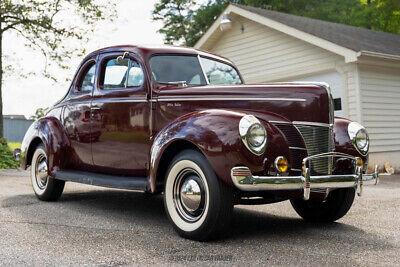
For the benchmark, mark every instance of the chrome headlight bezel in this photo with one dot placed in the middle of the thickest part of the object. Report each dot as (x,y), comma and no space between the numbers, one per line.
(246,125)
(354,130)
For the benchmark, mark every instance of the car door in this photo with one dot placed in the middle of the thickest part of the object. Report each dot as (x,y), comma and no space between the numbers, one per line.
(77,112)
(121,116)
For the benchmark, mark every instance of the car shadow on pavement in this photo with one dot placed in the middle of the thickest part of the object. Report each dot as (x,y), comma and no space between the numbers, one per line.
(135,209)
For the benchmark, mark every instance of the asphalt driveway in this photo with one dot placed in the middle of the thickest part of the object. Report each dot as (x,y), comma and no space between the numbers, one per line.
(98,226)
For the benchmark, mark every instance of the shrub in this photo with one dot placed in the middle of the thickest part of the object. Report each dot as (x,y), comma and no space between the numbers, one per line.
(7,160)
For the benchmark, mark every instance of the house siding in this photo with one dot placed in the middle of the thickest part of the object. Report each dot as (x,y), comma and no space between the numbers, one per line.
(380,95)
(351,89)
(264,55)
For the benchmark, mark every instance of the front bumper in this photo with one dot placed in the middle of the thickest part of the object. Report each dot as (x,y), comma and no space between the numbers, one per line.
(244,180)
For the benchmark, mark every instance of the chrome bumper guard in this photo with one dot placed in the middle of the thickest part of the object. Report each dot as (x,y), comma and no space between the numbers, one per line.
(244,180)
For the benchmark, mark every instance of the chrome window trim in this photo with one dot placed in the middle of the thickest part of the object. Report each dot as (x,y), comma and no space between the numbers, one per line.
(202,69)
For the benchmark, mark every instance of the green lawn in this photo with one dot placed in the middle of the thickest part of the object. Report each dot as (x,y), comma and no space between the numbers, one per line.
(13,146)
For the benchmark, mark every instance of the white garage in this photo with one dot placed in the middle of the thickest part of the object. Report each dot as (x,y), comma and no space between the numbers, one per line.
(362,66)
(335,81)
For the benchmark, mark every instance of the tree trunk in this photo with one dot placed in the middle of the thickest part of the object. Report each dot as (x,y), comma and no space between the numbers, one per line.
(1,78)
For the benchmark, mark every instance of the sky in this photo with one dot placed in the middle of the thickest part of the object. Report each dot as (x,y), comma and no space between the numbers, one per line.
(133,25)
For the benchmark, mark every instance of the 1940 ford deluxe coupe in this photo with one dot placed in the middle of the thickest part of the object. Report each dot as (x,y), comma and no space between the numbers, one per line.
(180,121)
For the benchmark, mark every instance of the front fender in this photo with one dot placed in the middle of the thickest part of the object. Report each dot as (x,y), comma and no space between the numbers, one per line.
(216,134)
(342,142)
(51,133)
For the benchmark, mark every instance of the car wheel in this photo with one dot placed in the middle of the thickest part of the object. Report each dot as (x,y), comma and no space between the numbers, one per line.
(45,187)
(334,207)
(198,204)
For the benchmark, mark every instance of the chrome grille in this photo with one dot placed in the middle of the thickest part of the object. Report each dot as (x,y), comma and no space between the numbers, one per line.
(297,148)
(291,134)
(318,139)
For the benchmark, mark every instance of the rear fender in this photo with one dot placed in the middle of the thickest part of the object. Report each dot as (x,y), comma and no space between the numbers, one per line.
(51,133)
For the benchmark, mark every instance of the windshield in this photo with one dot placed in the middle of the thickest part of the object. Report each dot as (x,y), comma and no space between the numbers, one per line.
(181,69)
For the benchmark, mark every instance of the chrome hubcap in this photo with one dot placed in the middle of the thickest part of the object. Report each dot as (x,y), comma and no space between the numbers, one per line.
(189,195)
(41,171)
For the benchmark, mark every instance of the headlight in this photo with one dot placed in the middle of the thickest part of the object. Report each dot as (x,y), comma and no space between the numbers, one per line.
(253,134)
(359,137)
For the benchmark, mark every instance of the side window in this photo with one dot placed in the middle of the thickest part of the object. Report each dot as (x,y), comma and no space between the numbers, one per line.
(220,73)
(136,76)
(122,73)
(87,79)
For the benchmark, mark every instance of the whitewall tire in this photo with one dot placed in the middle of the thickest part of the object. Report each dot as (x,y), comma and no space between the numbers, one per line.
(197,203)
(45,187)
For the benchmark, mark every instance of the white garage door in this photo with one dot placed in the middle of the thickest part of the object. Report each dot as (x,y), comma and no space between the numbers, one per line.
(334,79)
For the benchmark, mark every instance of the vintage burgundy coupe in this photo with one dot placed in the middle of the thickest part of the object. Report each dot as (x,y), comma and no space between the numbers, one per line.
(181,122)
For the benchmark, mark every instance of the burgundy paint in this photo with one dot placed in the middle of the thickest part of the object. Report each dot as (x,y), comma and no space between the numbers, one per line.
(126,146)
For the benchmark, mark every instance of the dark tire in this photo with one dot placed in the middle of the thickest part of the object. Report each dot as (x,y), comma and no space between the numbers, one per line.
(204,211)
(336,205)
(45,187)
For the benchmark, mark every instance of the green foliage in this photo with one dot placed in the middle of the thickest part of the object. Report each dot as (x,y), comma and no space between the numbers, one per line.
(7,160)
(46,27)
(42,25)
(176,16)
(39,113)
(381,15)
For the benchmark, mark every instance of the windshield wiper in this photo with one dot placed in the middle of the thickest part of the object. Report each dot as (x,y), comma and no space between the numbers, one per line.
(179,83)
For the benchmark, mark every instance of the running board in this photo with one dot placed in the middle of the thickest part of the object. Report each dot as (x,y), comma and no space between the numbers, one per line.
(105,180)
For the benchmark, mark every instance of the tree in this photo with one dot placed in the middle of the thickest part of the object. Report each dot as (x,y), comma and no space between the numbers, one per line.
(381,15)
(176,15)
(41,24)
(39,113)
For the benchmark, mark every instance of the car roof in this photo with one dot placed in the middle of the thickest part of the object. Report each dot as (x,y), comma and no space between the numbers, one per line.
(157,49)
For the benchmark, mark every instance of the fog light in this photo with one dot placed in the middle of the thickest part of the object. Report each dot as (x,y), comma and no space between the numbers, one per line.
(281,164)
(359,163)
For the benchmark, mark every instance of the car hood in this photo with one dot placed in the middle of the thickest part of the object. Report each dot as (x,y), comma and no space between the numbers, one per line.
(309,102)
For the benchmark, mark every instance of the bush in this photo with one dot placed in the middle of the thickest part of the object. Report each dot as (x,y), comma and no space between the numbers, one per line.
(7,160)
